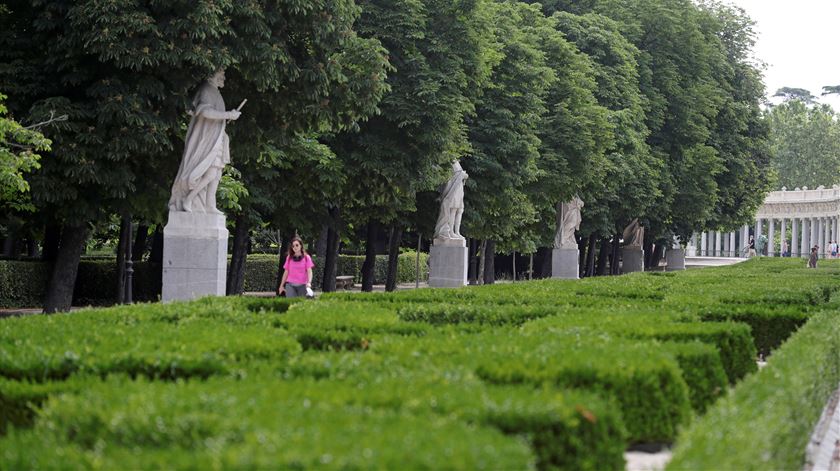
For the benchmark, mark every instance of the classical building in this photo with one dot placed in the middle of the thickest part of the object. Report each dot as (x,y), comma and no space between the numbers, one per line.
(794,220)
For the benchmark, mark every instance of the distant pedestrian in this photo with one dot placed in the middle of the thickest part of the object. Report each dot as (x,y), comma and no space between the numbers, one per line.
(833,248)
(751,248)
(784,248)
(297,277)
(812,260)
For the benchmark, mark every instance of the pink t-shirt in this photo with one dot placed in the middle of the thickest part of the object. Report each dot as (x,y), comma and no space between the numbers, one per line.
(297,270)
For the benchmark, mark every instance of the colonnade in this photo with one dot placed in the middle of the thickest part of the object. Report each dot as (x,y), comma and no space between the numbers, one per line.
(789,223)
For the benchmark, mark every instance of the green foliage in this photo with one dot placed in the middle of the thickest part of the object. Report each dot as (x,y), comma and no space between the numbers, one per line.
(22,284)
(766,421)
(19,154)
(806,144)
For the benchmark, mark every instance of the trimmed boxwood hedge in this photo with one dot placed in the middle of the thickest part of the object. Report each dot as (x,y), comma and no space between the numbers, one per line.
(551,374)
(23,283)
(767,420)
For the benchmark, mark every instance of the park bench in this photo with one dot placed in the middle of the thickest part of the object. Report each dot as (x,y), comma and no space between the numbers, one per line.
(343,282)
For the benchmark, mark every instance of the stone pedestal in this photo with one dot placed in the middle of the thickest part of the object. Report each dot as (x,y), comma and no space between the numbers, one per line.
(632,259)
(565,263)
(448,260)
(194,255)
(675,258)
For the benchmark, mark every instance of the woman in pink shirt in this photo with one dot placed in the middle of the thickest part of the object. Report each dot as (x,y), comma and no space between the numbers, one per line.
(297,274)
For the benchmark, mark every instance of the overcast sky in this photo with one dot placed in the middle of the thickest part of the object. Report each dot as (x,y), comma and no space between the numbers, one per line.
(799,41)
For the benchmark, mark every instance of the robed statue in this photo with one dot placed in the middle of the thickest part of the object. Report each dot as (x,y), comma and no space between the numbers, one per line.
(634,234)
(206,150)
(448,224)
(568,221)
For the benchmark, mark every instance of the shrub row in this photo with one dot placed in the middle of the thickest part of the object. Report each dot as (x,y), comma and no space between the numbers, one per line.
(766,422)
(23,283)
(554,374)
(221,422)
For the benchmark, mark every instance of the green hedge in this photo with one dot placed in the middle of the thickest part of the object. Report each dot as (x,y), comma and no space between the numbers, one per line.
(766,422)
(546,374)
(23,283)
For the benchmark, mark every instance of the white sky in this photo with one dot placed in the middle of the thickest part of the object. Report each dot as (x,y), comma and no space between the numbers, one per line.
(799,40)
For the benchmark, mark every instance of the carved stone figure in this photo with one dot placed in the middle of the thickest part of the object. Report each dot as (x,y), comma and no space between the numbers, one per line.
(634,235)
(448,224)
(206,150)
(568,221)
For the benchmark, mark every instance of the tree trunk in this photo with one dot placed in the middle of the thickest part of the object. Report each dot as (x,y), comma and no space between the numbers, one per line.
(331,258)
(544,256)
(658,253)
(590,254)
(140,243)
(513,263)
(581,241)
(472,268)
(31,248)
(239,255)
(9,246)
(490,262)
(60,290)
(370,255)
(156,253)
(603,257)
(482,260)
(615,264)
(125,226)
(393,257)
(648,248)
(52,237)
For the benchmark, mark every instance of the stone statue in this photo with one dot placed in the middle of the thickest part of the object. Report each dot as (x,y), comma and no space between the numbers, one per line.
(634,235)
(448,224)
(568,221)
(206,150)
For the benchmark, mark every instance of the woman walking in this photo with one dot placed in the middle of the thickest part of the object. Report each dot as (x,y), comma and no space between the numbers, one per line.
(812,260)
(297,274)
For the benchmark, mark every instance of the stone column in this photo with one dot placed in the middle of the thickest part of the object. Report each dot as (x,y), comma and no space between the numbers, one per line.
(704,244)
(691,250)
(771,237)
(783,239)
(733,250)
(725,245)
(827,240)
(757,234)
(814,231)
(794,237)
(834,231)
(823,234)
(717,244)
(745,240)
(806,237)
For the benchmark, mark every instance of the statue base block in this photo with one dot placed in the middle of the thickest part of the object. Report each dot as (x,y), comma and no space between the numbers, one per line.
(448,266)
(675,258)
(632,260)
(194,256)
(565,264)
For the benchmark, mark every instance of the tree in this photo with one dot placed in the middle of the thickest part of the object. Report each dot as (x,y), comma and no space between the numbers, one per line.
(805,144)
(800,94)
(505,146)
(741,134)
(123,72)
(628,180)
(437,49)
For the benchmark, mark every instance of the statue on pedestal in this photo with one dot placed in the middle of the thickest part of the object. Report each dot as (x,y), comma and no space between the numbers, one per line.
(448,226)
(568,221)
(206,150)
(634,235)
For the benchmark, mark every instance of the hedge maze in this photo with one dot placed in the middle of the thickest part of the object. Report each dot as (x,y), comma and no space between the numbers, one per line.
(533,375)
